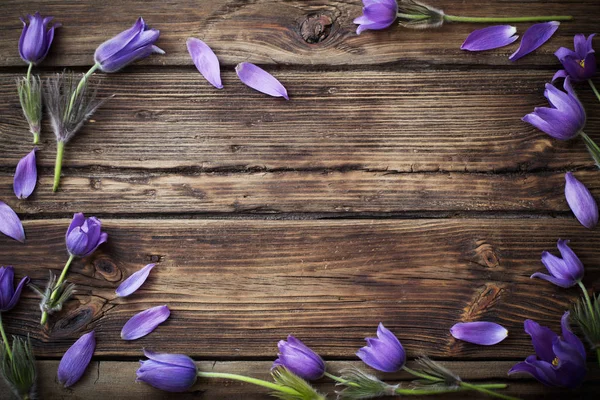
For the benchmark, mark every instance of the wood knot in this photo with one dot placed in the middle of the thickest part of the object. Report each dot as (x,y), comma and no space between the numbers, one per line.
(74,321)
(316,28)
(486,256)
(107,269)
(484,299)
(95,183)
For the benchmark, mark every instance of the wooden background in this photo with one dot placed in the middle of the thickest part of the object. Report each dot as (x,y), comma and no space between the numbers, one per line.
(397,185)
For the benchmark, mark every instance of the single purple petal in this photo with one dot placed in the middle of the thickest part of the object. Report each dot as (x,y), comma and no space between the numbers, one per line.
(179,360)
(112,46)
(25,176)
(480,332)
(490,38)
(16,294)
(581,201)
(75,361)
(570,337)
(10,224)
(542,339)
(540,370)
(144,322)
(78,220)
(373,26)
(7,276)
(556,266)
(205,61)
(77,242)
(560,74)
(571,368)
(133,283)
(563,52)
(564,283)
(259,79)
(574,266)
(534,37)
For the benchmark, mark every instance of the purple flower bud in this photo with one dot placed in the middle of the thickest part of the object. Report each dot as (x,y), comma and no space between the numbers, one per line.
(35,39)
(128,46)
(581,201)
(25,176)
(75,361)
(84,235)
(168,372)
(490,38)
(377,14)
(134,282)
(580,64)
(299,359)
(10,224)
(259,79)
(480,332)
(384,353)
(564,272)
(144,322)
(205,61)
(534,37)
(9,296)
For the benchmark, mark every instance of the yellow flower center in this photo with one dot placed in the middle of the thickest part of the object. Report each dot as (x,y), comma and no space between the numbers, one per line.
(582,63)
(555,361)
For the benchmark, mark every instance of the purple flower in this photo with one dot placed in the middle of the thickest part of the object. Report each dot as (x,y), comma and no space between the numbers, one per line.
(490,38)
(84,235)
(169,372)
(377,14)
(480,332)
(581,201)
(384,353)
(205,61)
(128,46)
(10,224)
(25,176)
(534,37)
(580,64)
(559,361)
(9,296)
(133,283)
(564,272)
(259,79)
(35,39)
(144,322)
(299,359)
(565,119)
(75,361)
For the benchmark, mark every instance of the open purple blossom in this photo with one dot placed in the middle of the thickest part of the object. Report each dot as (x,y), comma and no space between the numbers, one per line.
(25,176)
(36,38)
(168,372)
(377,14)
(489,38)
(144,322)
(580,64)
(479,332)
(299,359)
(559,360)
(76,360)
(205,61)
(84,235)
(564,272)
(581,201)
(259,79)
(10,224)
(134,282)
(384,353)
(534,37)
(9,295)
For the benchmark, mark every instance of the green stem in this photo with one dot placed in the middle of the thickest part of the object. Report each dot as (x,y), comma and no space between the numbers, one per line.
(5,339)
(598,354)
(341,380)
(457,18)
(588,301)
(422,375)
(54,294)
(247,379)
(80,86)
(60,150)
(593,148)
(486,391)
(36,137)
(29,72)
(594,89)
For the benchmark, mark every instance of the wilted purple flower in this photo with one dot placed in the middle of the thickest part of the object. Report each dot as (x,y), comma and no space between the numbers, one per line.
(169,372)
(9,296)
(580,64)
(75,361)
(384,353)
(35,39)
(133,283)
(84,235)
(534,37)
(581,201)
(144,322)
(490,38)
(299,359)
(128,46)
(565,119)
(259,79)
(479,332)
(10,224)
(559,361)
(377,14)
(205,61)
(564,272)
(25,176)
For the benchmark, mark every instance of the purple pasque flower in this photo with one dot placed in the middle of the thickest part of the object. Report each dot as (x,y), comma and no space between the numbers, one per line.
(206,61)
(559,360)
(299,359)
(144,322)
(75,361)
(489,38)
(564,272)
(35,39)
(377,14)
(581,201)
(25,176)
(169,372)
(10,224)
(9,295)
(384,353)
(259,79)
(84,235)
(479,332)
(128,46)
(580,64)
(566,117)
(535,36)
(134,282)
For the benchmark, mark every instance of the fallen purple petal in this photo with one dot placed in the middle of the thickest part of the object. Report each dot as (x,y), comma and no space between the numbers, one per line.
(490,38)
(534,37)
(205,61)
(480,332)
(10,224)
(145,322)
(581,201)
(259,79)
(25,176)
(75,361)
(133,283)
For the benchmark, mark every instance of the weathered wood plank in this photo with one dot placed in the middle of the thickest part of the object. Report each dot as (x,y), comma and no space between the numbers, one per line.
(236,287)
(385,120)
(270,32)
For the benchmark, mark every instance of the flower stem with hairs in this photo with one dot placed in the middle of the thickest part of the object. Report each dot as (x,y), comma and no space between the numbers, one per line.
(5,339)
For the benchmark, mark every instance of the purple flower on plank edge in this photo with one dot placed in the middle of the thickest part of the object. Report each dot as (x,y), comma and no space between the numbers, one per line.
(35,41)
(299,359)
(565,119)
(581,201)
(384,353)
(205,61)
(76,360)
(144,322)
(580,64)
(25,176)
(128,46)
(534,37)
(564,272)
(10,224)
(479,332)
(168,372)
(490,38)
(134,282)
(84,235)
(377,14)
(259,79)
(9,295)
(559,360)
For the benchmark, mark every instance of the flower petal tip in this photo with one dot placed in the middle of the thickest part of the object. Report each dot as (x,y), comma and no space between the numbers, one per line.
(489,38)
(534,37)
(260,80)
(205,61)
(134,282)
(144,322)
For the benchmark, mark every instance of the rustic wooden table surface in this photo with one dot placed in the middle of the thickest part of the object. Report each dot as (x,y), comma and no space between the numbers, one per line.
(397,185)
